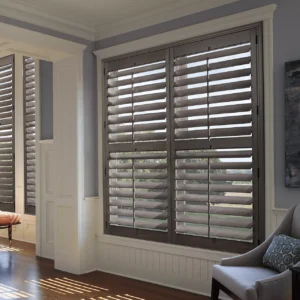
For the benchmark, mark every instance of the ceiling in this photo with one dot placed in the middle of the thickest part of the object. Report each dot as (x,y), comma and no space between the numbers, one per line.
(97,12)
(98,19)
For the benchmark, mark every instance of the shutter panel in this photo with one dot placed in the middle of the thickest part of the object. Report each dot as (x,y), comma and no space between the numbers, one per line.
(137,159)
(136,100)
(138,190)
(213,139)
(7,161)
(29,133)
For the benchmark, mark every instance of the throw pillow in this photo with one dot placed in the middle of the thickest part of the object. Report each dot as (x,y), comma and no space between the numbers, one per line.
(283,253)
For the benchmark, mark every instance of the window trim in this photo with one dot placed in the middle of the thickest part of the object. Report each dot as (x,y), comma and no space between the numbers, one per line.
(209,243)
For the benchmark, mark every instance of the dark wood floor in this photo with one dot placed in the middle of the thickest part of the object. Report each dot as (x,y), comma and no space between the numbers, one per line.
(23,275)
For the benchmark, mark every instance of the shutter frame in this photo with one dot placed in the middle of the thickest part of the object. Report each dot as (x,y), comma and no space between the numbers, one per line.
(29,106)
(240,35)
(7,122)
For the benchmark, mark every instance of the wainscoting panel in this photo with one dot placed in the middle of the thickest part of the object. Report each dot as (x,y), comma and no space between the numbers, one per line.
(47,201)
(88,233)
(174,266)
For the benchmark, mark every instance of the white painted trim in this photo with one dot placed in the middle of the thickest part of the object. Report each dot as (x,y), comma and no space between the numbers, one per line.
(161,14)
(229,22)
(55,48)
(34,16)
(46,141)
(183,251)
(100,81)
(269,123)
(280,210)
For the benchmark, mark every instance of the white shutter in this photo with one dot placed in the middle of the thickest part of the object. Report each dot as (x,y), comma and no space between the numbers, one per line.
(7,161)
(213,144)
(29,133)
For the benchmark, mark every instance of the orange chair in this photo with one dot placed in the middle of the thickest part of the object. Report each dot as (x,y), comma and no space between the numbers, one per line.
(7,220)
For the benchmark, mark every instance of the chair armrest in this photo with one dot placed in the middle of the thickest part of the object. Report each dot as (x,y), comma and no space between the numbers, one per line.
(255,256)
(275,287)
(251,258)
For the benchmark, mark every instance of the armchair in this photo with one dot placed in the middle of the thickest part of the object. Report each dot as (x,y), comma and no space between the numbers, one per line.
(244,277)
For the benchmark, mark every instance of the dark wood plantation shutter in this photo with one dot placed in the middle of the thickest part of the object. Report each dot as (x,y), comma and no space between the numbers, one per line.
(7,161)
(182,131)
(29,133)
(136,154)
(215,136)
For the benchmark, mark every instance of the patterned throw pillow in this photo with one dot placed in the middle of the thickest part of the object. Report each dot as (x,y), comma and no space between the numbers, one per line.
(283,253)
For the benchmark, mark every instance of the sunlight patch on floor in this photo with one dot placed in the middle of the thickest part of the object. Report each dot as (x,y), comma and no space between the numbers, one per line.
(66,286)
(5,248)
(7,292)
(116,297)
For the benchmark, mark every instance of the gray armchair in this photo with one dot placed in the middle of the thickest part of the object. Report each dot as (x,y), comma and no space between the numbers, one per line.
(245,278)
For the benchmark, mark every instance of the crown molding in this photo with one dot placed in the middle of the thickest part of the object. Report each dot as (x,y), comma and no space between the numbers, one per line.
(29,14)
(16,39)
(162,14)
(216,25)
(34,16)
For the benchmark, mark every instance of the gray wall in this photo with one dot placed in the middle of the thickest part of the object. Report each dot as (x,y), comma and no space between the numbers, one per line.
(90,122)
(46,99)
(286,48)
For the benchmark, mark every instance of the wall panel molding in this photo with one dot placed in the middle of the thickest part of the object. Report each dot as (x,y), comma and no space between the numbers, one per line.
(182,272)
(179,267)
(48,192)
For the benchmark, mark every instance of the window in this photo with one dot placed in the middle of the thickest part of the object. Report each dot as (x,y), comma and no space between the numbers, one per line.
(184,143)
(7,149)
(29,133)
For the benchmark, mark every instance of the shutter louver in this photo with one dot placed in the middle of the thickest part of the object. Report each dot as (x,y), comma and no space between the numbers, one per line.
(136,121)
(7,162)
(29,133)
(213,114)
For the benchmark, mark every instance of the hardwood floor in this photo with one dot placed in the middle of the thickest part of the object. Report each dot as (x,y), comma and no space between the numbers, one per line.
(23,275)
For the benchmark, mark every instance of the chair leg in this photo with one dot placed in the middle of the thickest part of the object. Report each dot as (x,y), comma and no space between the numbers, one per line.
(215,289)
(10,235)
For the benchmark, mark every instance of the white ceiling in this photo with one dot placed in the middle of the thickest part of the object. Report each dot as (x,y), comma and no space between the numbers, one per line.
(97,12)
(98,19)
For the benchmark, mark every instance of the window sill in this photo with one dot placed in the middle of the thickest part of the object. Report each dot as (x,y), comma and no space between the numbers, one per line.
(164,248)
